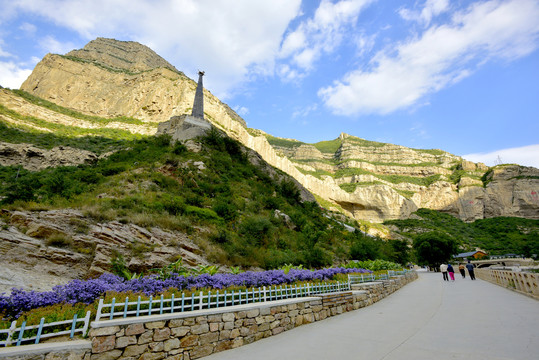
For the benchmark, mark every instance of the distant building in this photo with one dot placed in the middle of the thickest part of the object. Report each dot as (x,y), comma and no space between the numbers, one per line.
(478,254)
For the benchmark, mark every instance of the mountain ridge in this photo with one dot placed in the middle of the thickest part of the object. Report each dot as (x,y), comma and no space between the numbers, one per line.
(365,180)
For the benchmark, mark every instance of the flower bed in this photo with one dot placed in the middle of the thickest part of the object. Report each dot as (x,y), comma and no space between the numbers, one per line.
(87,291)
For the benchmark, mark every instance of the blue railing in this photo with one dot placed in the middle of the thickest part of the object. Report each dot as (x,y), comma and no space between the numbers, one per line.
(210,300)
(35,333)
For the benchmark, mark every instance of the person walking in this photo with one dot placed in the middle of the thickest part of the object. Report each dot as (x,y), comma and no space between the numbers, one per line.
(443,269)
(462,270)
(470,268)
(451,272)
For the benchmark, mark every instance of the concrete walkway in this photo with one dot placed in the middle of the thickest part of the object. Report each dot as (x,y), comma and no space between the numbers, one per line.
(427,319)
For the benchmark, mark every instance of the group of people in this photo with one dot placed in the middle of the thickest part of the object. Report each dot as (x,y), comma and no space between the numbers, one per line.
(446,269)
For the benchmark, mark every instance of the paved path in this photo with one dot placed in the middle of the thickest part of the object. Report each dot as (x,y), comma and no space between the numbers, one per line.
(427,319)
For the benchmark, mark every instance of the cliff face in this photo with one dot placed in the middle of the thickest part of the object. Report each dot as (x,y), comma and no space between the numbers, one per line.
(112,78)
(363,179)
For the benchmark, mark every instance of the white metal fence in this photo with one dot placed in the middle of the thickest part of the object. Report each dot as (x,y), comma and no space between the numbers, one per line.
(358,279)
(210,300)
(15,335)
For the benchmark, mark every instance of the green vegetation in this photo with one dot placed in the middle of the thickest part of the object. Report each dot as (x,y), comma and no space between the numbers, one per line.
(497,236)
(280,142)
(150,182)
(96,144)
(363,142)
(434,248)
(66,130)
(101,65)
(328,147)
(436,152)
(75,114)
(423,181)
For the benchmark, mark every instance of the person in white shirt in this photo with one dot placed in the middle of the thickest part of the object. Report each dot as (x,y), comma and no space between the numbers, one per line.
(443,269)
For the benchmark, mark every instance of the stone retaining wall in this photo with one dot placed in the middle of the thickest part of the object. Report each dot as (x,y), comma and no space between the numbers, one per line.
(196,334)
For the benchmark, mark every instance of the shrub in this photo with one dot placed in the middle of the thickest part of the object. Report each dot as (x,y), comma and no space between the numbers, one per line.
(226,209)
(202,213)
(179,148)
(59,240)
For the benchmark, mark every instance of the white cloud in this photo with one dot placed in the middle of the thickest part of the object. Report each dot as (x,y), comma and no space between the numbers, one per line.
(525,155)
(431,9)
(400,76)
(52,45)
(231,42)
(28,28)
(11,75)
(320,34)
(241,110)
(304,112)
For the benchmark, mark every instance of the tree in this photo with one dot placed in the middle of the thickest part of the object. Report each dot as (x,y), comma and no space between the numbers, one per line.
(365,249)
(434,248)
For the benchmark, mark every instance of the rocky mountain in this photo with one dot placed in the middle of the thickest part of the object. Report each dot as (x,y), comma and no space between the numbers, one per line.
(363,179)
(46,248)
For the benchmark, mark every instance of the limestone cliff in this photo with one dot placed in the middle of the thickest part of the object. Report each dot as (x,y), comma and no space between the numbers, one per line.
(363,179)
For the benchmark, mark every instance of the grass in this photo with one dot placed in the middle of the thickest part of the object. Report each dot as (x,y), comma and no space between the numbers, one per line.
(75,114)
(67,130)
(328,147)
(280,142)
(96,144)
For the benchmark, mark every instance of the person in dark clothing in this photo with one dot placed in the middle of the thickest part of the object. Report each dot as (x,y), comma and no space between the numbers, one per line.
(451,272)
(470,268)
(462,270)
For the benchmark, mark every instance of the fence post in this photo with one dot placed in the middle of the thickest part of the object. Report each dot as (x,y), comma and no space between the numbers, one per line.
(150,306)
(39,330)
(200,301)
(161,305)
(86,323)
(21,332)
(112,305)
(73,326)
(99,308)
(183,301)
(172,303)
(11,332)
(126,305)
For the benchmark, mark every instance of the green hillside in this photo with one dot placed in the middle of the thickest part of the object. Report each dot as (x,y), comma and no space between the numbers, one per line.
(497,236)
(226,203)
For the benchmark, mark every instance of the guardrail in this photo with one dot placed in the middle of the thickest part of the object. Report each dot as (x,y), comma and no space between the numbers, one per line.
(520,281)
(15,335)
(209,300)
(358,279)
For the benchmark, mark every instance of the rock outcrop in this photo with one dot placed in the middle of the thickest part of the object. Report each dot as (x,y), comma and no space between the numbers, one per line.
(41,249)
(33,158)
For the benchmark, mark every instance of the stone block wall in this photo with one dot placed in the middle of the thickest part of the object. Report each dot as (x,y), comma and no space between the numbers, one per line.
(186,336)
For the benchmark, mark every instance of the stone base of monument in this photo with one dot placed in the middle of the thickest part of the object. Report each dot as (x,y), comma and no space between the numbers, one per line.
(184,127)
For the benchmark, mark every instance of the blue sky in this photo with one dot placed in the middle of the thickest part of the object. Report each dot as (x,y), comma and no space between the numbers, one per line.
(461,76)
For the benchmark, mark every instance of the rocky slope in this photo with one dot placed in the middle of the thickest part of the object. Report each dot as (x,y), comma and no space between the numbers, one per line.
(41,249)
(366,180)
(33,158)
